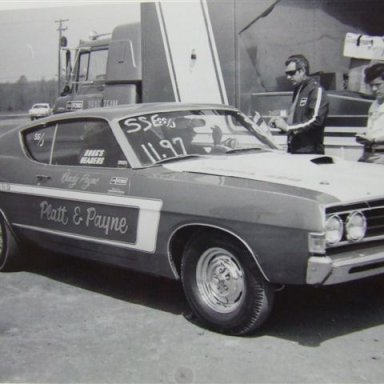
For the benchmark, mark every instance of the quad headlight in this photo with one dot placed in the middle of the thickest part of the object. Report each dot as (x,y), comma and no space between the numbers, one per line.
(350,227)
(334,230)
(355,226)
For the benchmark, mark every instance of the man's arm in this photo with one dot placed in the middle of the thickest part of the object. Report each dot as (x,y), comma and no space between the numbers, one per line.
(318,111)
(318,107)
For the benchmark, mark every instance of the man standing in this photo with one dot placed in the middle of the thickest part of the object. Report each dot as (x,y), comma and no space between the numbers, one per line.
(373,138)
(307,115)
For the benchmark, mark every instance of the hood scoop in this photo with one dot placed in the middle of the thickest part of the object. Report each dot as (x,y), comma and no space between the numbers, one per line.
(323,160)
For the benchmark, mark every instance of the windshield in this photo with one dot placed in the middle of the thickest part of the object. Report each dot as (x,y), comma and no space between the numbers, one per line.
(164,136)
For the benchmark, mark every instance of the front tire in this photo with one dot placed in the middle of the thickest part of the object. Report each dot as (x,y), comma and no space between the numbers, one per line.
(224,286)
(10,258)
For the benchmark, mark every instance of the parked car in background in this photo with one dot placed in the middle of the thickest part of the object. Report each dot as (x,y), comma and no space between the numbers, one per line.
(39,110)
(196,192)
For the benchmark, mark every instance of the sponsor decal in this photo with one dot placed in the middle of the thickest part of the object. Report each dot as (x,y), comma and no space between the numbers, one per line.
(119,220)
(121,181)
(74,180)
(303,101)
(91,220)
(116,191)
(93,156)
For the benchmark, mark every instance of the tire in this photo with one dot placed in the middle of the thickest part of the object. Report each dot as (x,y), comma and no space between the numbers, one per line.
(10,259)
(223,285)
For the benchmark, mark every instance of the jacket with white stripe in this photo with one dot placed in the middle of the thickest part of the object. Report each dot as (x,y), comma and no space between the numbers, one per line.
(306,133)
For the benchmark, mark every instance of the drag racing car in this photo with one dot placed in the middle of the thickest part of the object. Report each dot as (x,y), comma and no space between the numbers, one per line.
(195,192)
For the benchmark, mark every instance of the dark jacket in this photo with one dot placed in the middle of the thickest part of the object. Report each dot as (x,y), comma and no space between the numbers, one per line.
(309,118)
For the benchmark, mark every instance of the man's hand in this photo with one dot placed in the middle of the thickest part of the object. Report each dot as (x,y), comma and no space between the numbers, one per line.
(364,139)
(278,122)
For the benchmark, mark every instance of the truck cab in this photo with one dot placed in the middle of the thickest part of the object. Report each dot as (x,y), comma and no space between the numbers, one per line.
(106,71)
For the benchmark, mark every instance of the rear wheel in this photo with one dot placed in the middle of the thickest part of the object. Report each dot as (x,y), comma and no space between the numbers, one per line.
(10,259)
(223,285)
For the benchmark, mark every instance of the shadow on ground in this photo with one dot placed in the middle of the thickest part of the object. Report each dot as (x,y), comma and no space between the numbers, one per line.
(306,315)
(310,316)
(154,292)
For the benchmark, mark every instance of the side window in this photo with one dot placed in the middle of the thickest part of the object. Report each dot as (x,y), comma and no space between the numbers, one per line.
(87,143)
(82,68)
(39,143)
(98,65)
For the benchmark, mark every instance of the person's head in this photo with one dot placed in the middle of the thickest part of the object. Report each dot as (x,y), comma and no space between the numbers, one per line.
(374,76)
(296,69)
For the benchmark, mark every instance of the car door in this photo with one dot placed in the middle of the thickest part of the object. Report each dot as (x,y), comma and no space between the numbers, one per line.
(80,201)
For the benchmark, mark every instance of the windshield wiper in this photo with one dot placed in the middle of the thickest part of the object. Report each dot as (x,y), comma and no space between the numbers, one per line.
(244,149)
(177,158)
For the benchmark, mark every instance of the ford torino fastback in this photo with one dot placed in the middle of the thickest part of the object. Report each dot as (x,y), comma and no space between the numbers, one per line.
(196,192)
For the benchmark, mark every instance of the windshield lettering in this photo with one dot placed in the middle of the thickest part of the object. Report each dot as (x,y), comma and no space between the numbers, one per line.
(163,136)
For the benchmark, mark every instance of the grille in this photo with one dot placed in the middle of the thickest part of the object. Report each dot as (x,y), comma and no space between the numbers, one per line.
(374,213)
(375,219)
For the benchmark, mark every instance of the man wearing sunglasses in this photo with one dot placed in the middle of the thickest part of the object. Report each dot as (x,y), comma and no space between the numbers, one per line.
(308,112)
(373,138)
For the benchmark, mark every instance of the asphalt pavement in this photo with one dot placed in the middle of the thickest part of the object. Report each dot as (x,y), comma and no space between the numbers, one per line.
(66,320)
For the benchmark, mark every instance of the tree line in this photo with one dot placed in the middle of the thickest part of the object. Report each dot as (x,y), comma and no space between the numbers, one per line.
(19,96)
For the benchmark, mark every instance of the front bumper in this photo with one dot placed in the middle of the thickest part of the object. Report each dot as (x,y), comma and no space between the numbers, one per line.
(346,266)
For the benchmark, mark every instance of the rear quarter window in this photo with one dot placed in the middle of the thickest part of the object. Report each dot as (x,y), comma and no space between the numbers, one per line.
(77,143)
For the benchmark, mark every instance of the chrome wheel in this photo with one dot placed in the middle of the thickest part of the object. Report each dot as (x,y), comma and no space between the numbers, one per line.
(224,288)
(220,280)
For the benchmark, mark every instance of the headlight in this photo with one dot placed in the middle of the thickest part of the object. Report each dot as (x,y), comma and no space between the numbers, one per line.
(333,230)
(355,226)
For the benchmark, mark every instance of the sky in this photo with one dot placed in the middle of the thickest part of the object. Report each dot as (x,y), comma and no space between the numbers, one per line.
(29,32)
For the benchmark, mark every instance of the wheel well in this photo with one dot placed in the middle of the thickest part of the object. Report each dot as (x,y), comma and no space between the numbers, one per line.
(182,236)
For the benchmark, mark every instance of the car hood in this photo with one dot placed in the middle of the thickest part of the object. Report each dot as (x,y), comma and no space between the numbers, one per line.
(344,180)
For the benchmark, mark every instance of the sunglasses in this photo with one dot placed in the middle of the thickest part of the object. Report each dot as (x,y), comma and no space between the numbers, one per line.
(292,73)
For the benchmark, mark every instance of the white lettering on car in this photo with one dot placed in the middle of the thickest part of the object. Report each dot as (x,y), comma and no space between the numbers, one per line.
(136,124)
(93,156)
(54,214)
(92,218)
(74,180)
(106,222)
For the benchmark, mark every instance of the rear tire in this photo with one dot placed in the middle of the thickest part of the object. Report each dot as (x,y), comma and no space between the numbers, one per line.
(10,258)
(224,286)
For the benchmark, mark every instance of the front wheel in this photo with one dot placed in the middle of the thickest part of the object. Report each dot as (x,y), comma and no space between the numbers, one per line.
(223,285)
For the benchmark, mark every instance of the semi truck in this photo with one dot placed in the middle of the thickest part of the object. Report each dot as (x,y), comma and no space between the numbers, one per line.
(230,52)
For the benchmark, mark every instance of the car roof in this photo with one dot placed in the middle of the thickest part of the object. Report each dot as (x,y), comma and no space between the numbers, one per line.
(121,111)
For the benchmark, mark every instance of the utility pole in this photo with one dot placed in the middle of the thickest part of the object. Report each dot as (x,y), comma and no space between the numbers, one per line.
(61,44)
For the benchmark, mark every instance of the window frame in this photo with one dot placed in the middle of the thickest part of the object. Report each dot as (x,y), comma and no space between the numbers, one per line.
(55,125)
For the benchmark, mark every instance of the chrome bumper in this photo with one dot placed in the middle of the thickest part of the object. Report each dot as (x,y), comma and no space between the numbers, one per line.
(347,266)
